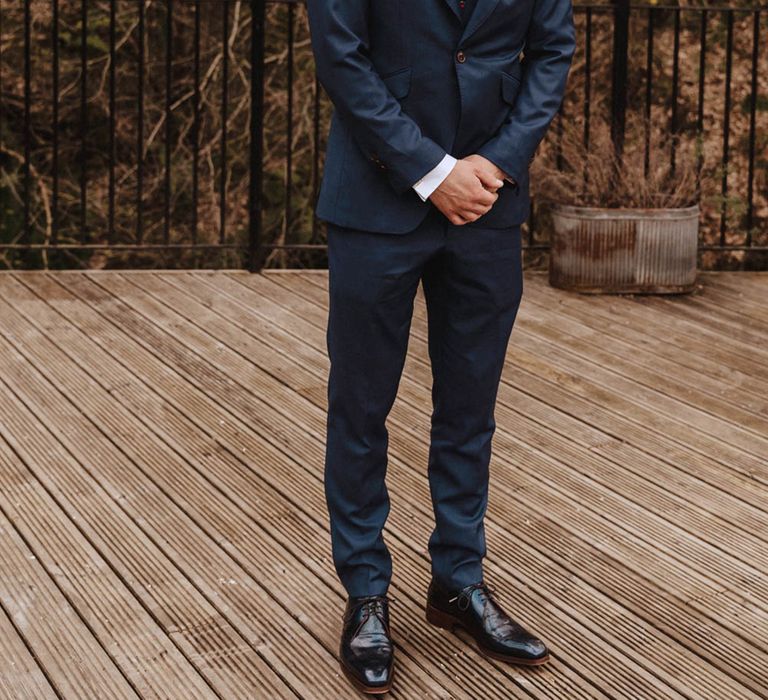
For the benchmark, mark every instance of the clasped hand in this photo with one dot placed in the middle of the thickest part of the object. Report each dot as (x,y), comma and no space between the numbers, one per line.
(469,190)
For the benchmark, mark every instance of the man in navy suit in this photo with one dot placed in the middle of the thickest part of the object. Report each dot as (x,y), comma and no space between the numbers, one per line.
(440,106)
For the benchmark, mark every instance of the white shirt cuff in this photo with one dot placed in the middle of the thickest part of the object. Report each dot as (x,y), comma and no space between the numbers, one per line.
(431,181)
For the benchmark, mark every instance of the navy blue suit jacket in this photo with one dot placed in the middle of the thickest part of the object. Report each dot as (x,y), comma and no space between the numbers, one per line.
(410,82)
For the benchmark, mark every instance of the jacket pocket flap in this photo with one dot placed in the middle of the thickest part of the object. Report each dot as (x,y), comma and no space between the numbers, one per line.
(510,86)
(399,82)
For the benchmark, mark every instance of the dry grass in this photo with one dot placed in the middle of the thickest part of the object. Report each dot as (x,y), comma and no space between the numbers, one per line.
(597,177)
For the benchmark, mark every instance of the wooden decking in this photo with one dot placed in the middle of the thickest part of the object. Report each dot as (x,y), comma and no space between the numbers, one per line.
(163,526)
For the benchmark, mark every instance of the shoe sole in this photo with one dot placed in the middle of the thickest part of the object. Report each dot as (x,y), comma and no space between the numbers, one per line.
(438,618)
(368,689)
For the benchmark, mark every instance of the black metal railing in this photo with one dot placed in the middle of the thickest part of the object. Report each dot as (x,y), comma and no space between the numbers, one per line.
(117,132)
(183,133)
(731,150)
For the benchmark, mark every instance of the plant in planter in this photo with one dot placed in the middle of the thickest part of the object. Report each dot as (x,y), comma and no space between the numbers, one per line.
(614,229)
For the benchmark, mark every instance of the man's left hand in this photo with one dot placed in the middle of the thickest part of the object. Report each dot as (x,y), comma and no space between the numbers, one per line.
(481,163)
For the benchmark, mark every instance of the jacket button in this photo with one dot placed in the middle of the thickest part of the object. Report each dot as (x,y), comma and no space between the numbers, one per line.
(461,57)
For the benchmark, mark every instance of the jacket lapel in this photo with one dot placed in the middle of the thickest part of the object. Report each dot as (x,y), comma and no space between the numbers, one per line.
(454,5)
(481,12)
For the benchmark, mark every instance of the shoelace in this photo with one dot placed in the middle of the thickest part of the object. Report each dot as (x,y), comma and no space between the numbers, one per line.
(507,628)
(373,606)
(465,594)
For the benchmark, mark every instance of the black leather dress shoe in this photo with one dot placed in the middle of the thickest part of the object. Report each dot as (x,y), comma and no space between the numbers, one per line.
(366,651)
(496,634)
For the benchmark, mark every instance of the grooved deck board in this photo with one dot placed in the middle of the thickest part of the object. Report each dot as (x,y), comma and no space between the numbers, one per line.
(168,597)
(23,678)
(64,646)
(163,527)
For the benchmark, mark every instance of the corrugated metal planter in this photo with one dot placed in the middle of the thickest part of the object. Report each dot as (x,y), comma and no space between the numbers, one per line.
(650,251)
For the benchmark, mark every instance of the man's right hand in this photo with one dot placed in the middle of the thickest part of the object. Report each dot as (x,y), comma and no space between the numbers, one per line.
(466,193)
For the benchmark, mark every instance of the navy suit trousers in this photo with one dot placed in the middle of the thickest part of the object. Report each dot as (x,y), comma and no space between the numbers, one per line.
(472,281)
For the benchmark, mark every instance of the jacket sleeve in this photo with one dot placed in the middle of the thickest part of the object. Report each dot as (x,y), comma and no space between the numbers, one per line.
(386,135)
(549,47)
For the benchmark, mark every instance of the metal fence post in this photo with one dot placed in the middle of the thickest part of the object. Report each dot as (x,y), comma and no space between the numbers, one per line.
(619,75)
(258,12)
